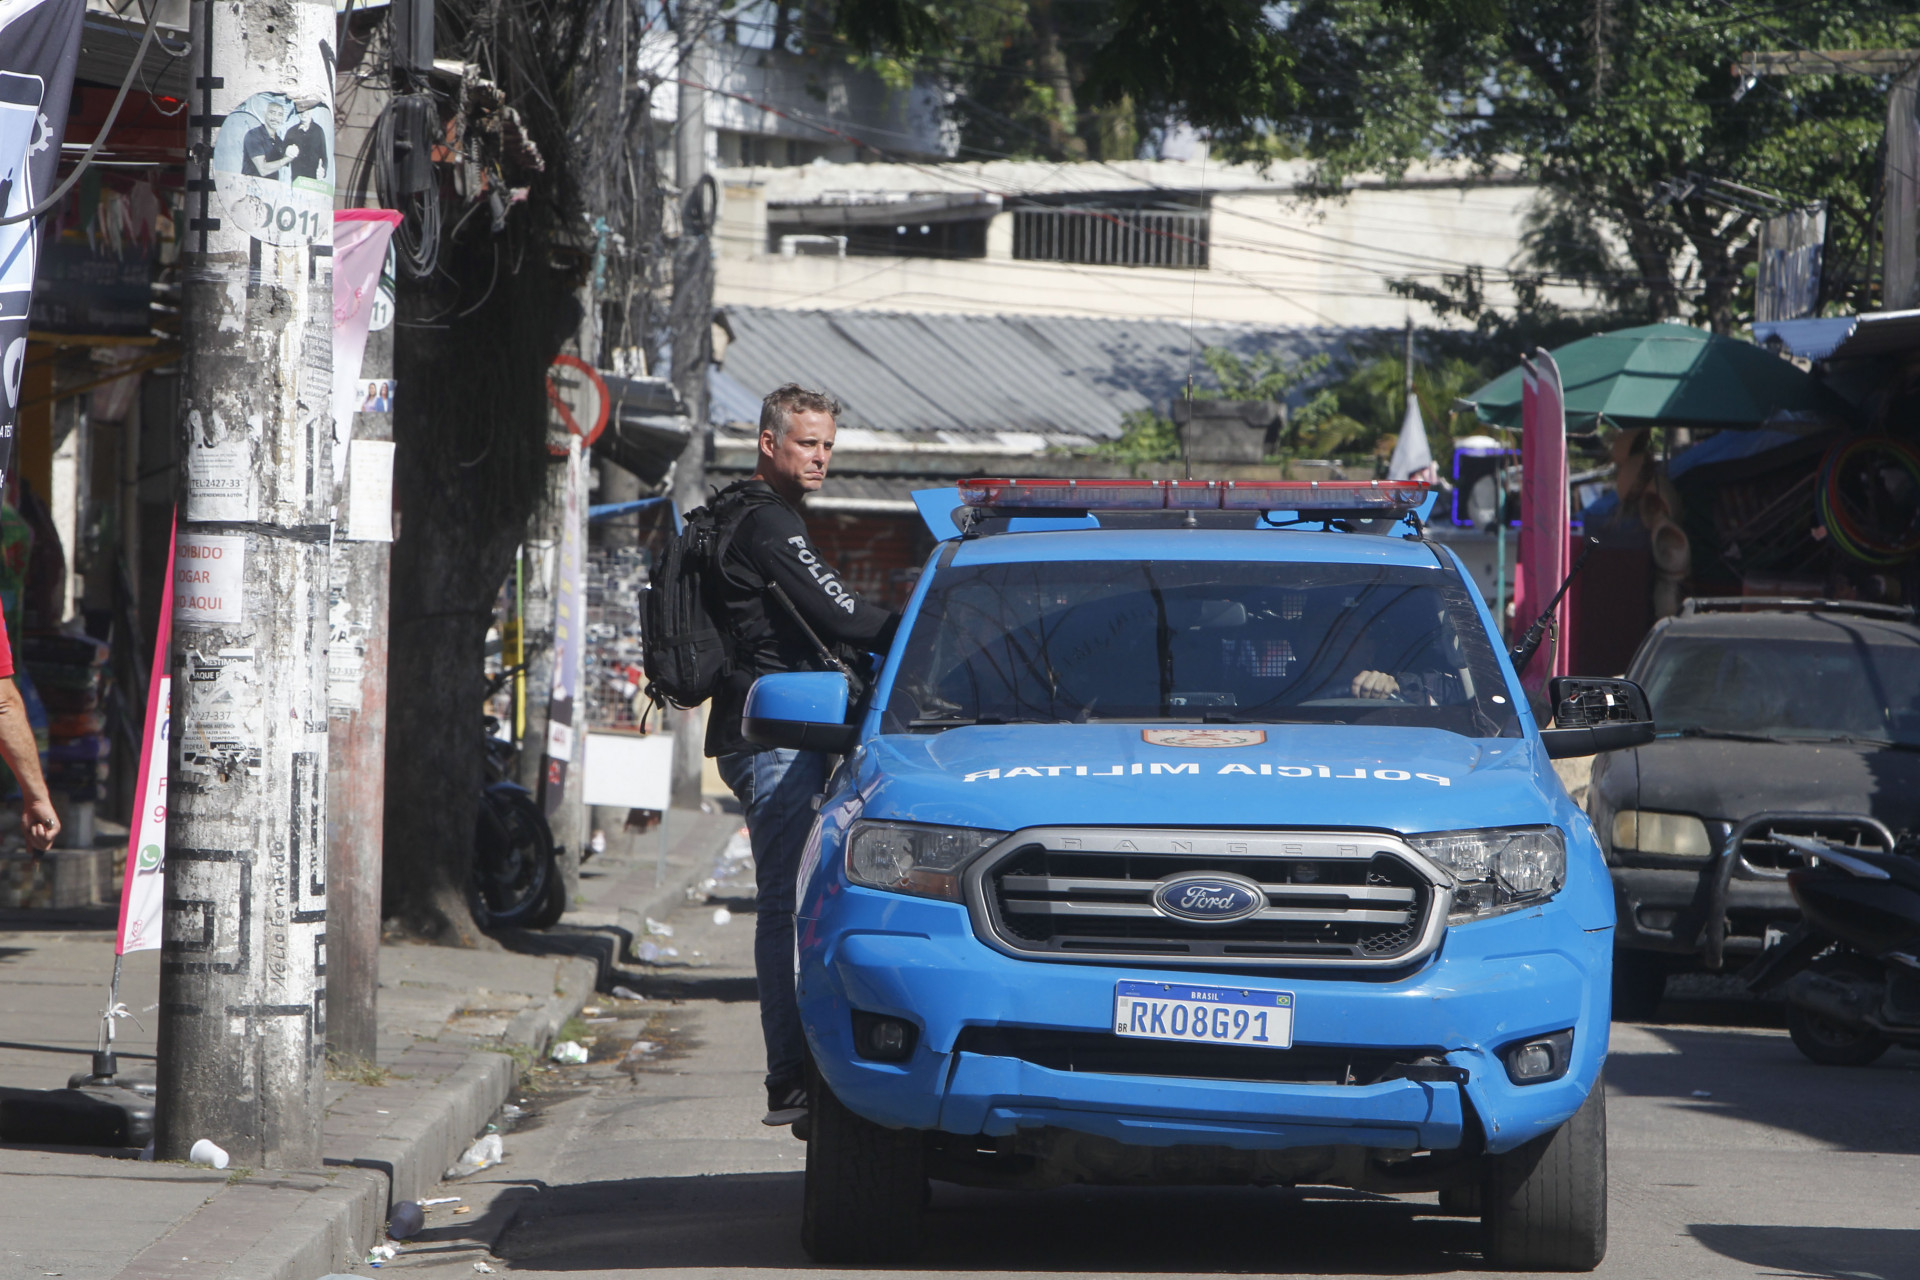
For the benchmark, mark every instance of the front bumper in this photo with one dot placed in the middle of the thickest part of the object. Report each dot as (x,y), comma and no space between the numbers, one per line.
(1492,982)
(1668,909)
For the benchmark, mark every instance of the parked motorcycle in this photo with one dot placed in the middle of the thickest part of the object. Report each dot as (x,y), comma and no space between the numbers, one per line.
(1851,969)
(517,882)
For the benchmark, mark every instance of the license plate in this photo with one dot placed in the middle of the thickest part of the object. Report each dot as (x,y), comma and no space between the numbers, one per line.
(1209,1015)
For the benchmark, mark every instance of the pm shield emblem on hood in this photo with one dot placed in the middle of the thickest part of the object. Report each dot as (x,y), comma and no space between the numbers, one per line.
(1203,737)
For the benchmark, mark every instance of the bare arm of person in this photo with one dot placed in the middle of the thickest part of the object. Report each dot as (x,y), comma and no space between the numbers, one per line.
(38,822)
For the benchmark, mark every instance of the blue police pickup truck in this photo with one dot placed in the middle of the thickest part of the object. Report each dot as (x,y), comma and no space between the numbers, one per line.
(1201,833)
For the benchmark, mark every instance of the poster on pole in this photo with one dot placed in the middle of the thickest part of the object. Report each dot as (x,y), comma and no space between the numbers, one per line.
(39,48)
(569,620)
(143,887)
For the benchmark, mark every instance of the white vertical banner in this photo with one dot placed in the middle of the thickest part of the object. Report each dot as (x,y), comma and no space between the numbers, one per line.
(143,887)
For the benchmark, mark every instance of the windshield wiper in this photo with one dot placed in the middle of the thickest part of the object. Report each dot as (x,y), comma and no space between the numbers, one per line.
(1884,743)
(954,722)
(1731,735)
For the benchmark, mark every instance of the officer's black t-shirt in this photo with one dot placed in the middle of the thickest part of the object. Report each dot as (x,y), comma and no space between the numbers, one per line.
(771,545)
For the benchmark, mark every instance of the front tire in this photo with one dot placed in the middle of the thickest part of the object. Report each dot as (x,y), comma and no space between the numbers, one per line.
(1546,1202)
(1827,1042)
(866,1187)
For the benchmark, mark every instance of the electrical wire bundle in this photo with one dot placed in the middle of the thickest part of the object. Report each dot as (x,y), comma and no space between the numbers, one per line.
(1856,497)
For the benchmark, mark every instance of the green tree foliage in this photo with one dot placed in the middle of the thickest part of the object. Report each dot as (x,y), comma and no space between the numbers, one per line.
(1627,112)
(1373,395)
(1079,79)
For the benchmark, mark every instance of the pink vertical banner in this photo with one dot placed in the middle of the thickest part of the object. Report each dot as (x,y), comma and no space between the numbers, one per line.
(1545,554)
(360,239)
(143,886)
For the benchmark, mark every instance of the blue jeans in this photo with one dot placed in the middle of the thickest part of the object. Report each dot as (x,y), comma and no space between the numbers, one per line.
(777,788)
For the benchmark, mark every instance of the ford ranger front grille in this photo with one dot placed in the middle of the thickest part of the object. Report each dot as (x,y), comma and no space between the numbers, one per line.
(1344,899)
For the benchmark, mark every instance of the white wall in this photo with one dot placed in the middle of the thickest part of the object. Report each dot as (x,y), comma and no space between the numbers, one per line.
(1275,259)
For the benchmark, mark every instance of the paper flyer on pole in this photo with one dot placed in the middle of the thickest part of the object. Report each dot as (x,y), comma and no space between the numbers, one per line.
(569,619)
(143,888)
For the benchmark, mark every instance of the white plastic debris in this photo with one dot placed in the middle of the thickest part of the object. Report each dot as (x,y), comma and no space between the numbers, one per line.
(598,842)
(641,1049)
(671,952)
(511,1112)
(483,1268)
(648,951)
(204,1152)
(571,1052)
(483,1154)
(657,929)
(722,916)
(382,1252)
(428,1204)
(626,993)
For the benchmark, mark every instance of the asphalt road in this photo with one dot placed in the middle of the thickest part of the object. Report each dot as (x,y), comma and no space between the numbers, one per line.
(1731,1156)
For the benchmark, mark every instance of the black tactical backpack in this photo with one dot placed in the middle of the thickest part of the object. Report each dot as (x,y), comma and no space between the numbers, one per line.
(687,646)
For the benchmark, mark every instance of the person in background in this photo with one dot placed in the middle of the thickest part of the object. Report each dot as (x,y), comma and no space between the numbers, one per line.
(38,822)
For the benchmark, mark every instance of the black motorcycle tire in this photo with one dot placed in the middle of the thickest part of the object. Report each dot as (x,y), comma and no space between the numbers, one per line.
(1826,1042)
(555,904)
(513,860)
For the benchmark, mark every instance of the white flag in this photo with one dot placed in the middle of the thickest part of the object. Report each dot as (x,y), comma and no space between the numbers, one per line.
(1412,459)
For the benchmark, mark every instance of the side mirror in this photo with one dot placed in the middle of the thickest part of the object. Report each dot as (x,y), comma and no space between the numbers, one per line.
(1593,715)
(804,710)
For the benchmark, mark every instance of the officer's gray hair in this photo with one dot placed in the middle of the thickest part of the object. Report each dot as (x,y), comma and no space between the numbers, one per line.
(777,410)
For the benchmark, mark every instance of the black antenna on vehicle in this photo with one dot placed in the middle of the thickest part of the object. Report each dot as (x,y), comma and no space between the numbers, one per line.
(1530,643)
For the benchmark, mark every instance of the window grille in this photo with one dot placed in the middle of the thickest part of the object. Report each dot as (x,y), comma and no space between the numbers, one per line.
(1114,237)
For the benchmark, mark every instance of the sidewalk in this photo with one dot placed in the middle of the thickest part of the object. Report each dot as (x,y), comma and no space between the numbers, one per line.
(449,1023)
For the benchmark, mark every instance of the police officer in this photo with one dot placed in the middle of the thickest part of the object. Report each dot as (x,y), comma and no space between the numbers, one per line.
(776,786)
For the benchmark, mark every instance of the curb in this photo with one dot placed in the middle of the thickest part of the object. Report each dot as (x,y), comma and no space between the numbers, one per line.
(394,1141)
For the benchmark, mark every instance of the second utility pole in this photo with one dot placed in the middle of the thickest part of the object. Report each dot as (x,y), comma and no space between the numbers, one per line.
(690,320)
(242,968)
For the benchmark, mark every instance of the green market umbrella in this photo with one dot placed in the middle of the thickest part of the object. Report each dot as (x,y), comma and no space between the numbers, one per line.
(1669,374)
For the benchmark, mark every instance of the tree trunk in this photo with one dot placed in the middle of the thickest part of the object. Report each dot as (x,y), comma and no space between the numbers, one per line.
(470,463)
(1058,80)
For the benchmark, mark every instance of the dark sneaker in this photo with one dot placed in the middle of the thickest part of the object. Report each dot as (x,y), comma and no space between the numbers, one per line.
(786,1103)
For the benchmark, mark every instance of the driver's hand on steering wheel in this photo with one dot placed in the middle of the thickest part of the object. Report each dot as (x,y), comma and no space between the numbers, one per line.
(1375,684)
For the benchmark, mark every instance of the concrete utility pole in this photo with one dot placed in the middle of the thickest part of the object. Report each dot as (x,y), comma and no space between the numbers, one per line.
(357,751)
(545,533)
(242,977)
(690,320)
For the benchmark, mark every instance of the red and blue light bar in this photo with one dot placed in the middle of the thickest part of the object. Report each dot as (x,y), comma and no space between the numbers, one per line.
(1386,497)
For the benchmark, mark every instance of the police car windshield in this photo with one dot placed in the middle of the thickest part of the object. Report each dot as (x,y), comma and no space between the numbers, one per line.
(1200,641)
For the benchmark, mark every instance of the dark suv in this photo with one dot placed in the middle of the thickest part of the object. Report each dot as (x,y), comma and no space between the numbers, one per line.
(1794,716)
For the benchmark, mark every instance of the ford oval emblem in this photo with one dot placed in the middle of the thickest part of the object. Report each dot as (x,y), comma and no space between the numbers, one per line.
(1209,899)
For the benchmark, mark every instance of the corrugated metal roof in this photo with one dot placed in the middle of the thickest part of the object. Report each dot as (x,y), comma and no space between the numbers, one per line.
(974,374)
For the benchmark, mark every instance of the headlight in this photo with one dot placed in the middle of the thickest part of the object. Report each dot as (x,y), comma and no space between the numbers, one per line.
(1678,835)
(907,857)
(1499,869)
